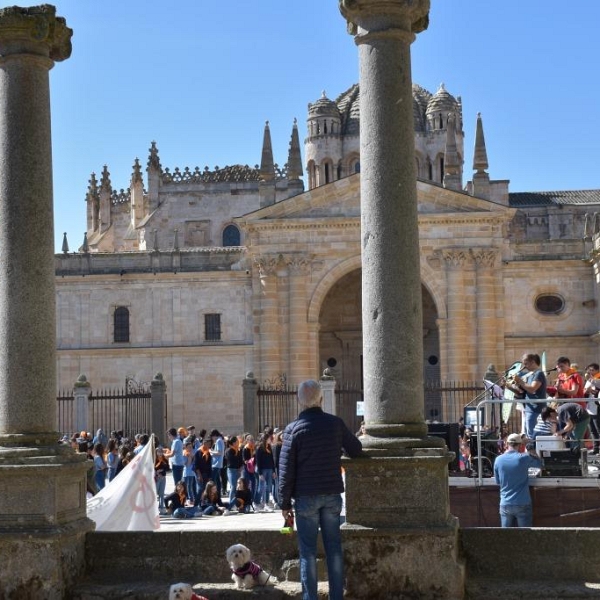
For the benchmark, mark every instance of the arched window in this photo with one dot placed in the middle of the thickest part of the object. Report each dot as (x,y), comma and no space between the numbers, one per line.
(357,166)
(442,169)
(231,236)
(327,173)
(429,171)
(121,324)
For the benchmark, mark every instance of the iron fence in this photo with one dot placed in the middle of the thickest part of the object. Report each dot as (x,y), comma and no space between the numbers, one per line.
(445,402)
(128,409)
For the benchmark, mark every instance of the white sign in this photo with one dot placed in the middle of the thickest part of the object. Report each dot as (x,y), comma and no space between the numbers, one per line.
(360,408)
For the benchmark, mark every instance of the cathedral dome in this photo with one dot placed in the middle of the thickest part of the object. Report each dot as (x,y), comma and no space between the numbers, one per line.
(441,101)
(421,98)
(323,107)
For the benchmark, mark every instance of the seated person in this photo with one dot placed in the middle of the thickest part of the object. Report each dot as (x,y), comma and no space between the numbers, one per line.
(544,425)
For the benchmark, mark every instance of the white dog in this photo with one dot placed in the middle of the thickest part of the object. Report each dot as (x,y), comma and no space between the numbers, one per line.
(183,591)
(246,573)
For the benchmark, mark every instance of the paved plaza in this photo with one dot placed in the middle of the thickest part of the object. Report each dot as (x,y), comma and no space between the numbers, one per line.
(256,521)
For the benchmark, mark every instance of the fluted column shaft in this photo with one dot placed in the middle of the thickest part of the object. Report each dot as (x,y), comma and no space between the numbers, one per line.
(391,281)
(487,327)
(30,41)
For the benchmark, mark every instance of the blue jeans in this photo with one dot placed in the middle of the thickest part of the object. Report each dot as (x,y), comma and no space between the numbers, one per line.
(313,512)
(161,484)
(513,515)
(216,477)
(265,485)
(190,486)
(177,471)
(232,476)
(185,513)
(100,478)
(529,421)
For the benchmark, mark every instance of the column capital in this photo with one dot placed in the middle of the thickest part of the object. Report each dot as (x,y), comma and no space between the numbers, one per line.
(34,30)
(485,257)
(455,258)
(401,19)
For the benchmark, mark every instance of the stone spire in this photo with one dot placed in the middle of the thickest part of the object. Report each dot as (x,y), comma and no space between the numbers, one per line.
(137,194)
(85,247)
(93,204)
(105,200)
(136,176)
(481,180)
(65,244)
(452,179)
(267,166)
(154,170)
(294,169)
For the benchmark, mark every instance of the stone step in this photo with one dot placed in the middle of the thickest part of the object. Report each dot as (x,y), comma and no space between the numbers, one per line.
(158,590)
(501,589)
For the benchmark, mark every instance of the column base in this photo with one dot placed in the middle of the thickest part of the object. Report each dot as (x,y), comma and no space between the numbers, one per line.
(400,539)
(410,563)
(43,520)
(398,487)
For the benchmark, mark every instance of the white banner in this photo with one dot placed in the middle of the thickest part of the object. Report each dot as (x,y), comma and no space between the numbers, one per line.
(128,502)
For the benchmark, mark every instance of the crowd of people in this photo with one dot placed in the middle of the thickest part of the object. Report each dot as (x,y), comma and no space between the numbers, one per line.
(213,474)
(567,408)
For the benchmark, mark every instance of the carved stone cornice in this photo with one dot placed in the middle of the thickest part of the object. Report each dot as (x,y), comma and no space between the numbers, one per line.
(400,19)
(299,264)
(461,258)
(35,30)
(294,263)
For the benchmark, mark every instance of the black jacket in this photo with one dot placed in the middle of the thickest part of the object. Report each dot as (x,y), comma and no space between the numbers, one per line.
(310,462)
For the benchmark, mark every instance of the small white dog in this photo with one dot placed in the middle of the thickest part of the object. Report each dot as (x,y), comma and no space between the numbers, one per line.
(246,573)
(183,591)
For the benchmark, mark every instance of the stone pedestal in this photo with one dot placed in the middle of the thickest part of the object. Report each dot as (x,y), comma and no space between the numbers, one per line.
(42,484)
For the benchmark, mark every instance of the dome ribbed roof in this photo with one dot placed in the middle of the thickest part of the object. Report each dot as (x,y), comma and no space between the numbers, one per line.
(323,107)
(421,98)
(441,101)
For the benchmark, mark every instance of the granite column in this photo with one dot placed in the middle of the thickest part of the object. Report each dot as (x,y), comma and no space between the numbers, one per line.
(397,496)
(42,484)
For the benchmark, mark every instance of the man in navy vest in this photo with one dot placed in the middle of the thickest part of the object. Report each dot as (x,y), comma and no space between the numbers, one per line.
(310,471)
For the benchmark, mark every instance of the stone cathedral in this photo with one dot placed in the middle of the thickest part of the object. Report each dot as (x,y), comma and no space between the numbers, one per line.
(207,274)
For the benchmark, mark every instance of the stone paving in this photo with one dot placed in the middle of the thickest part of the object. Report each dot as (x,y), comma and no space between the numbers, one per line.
(256,521)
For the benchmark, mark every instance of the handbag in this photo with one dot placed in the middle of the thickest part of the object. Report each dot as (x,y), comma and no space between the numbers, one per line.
(250,465)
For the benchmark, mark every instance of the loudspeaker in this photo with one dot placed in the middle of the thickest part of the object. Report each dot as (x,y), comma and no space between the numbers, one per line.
(449,432)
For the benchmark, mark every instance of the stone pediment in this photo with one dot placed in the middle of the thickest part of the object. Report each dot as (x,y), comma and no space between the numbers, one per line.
(342,199)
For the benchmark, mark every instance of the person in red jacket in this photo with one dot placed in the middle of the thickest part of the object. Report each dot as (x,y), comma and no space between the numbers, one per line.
(569,383)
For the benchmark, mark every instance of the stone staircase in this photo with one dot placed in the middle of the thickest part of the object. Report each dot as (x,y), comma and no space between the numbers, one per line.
(143,565)
(537,564)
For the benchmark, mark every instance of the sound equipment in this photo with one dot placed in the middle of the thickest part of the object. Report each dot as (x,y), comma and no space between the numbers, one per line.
(561,463)
(449,432)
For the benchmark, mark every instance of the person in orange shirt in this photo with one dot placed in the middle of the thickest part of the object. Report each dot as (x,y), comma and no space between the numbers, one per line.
(569,383)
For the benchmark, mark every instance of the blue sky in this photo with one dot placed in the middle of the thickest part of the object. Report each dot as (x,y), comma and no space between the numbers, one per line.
(201,78)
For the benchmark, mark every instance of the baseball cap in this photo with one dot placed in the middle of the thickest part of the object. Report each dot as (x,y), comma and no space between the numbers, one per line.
(515,439)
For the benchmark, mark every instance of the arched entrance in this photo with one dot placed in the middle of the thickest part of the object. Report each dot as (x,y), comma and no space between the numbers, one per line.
(340,333)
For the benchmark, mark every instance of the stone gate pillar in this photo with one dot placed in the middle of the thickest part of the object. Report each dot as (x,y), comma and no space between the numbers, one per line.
(42,484)
(401,487)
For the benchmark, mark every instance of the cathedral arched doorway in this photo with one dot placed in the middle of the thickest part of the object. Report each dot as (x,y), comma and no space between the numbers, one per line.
(340,333)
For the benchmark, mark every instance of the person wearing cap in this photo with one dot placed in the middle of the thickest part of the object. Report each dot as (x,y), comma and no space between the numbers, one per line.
(511,471)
